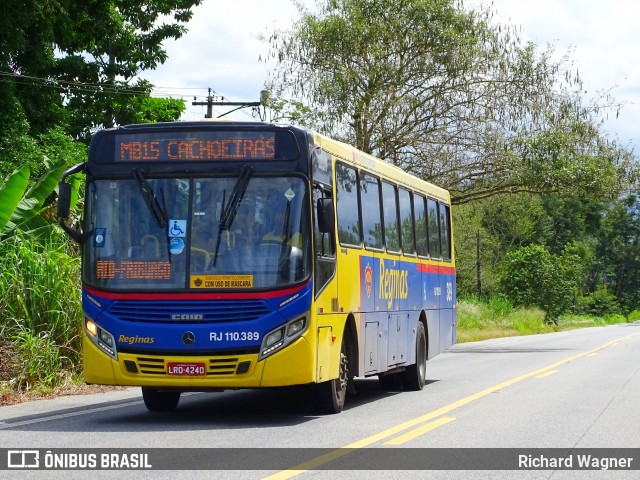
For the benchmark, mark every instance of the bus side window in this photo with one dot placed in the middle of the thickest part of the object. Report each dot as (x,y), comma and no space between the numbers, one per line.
(445,231)
(371,214)
(348,206)
(324,245)
(422,245)
(323,241)
(390,210)
(406,222)
(433,228)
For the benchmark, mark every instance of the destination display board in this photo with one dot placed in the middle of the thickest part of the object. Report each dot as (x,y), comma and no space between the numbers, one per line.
(195,146)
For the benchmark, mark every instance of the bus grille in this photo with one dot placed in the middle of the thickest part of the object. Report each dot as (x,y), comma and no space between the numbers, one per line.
(193,311)
(219,366)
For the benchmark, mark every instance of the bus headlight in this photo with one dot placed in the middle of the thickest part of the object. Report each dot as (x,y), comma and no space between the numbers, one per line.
(101,338)
(282,336)
(295,327)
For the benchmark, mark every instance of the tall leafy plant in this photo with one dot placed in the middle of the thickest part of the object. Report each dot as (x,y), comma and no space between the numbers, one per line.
(22,207)
(10,195)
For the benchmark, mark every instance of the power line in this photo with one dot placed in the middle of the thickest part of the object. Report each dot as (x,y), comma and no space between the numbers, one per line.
(89,86)
(70,84)
(213,99)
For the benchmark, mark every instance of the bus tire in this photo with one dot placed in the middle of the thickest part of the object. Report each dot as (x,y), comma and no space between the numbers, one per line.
(415,375)
(160,401)
(329,396)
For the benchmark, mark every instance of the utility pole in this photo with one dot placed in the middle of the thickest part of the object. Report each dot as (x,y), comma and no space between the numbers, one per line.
(478,265)
(211,102)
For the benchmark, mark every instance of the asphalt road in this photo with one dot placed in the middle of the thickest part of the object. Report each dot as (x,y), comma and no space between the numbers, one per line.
(486,404)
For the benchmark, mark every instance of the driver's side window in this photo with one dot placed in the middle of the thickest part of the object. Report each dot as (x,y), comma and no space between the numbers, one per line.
(324,244)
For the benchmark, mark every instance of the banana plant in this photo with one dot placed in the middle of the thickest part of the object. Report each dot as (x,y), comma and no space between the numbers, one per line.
(23,208)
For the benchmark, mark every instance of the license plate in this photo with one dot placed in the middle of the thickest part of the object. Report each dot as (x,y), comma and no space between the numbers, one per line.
(188,369)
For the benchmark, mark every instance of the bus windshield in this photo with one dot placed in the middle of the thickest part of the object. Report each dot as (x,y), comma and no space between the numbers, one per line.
(197,233)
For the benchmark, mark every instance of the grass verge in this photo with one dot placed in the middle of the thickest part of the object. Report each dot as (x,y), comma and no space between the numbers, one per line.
(495,318)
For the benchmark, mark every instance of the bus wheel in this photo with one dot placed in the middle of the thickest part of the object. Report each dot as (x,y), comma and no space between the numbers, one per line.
(414,376)
(159,401)
(329,396)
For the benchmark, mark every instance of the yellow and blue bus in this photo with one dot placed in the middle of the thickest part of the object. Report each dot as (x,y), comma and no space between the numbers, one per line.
(224,255)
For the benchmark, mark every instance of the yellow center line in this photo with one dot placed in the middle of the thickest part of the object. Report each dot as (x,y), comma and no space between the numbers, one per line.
(340,452)
(427,427)
(546,374)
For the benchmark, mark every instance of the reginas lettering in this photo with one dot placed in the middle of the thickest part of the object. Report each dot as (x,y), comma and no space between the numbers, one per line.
(136,339)
(394,283)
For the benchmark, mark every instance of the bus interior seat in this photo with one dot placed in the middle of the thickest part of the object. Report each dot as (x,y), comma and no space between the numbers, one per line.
(150,246)
(200,259)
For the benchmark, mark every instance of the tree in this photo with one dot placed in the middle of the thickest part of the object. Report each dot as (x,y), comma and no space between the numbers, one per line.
(16,146)
(446,94)
(486,230)
(619,251)
(534,277)
(149,110)
(76,63)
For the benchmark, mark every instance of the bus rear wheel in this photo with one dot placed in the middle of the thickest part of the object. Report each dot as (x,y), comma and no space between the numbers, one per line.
(160,401)
(329,396)
(414,376)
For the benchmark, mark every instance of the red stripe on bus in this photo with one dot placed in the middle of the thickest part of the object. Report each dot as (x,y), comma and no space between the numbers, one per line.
(428,268)
(195,296)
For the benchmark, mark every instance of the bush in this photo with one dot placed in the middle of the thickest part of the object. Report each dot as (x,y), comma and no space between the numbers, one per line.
(599,303)
(633,316)
(614,318)
(533,277)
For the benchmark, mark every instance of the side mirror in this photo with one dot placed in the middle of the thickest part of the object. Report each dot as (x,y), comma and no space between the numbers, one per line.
(64,201)
(326,215)
(65,193)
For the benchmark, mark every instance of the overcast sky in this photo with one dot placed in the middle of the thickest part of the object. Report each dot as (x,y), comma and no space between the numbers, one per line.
(221,50)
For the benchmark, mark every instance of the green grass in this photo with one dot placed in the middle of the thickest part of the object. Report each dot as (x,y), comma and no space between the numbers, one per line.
(40,312)
(495,317)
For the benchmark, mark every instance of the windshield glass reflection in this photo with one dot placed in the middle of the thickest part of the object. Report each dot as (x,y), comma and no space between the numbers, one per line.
(263,242)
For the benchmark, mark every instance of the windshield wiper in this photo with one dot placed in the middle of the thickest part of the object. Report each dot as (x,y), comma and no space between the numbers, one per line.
(150,199)
(230,209)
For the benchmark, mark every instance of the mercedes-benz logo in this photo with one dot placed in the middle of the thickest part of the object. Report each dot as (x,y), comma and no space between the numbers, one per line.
(188,338)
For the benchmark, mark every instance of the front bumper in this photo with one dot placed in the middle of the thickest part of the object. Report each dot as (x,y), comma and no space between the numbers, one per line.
(294,365)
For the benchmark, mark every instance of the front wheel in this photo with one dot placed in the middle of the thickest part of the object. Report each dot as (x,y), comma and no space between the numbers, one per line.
(414,376)
(329,396)
(160,401)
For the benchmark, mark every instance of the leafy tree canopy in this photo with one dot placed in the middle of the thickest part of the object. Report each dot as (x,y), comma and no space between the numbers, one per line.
(75,63)
(447,94)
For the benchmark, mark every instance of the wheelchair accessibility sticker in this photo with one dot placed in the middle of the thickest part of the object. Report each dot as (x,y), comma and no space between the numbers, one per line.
(177,228)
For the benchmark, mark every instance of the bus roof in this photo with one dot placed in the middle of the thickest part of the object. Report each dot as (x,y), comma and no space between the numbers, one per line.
(337,148)
(378,166)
